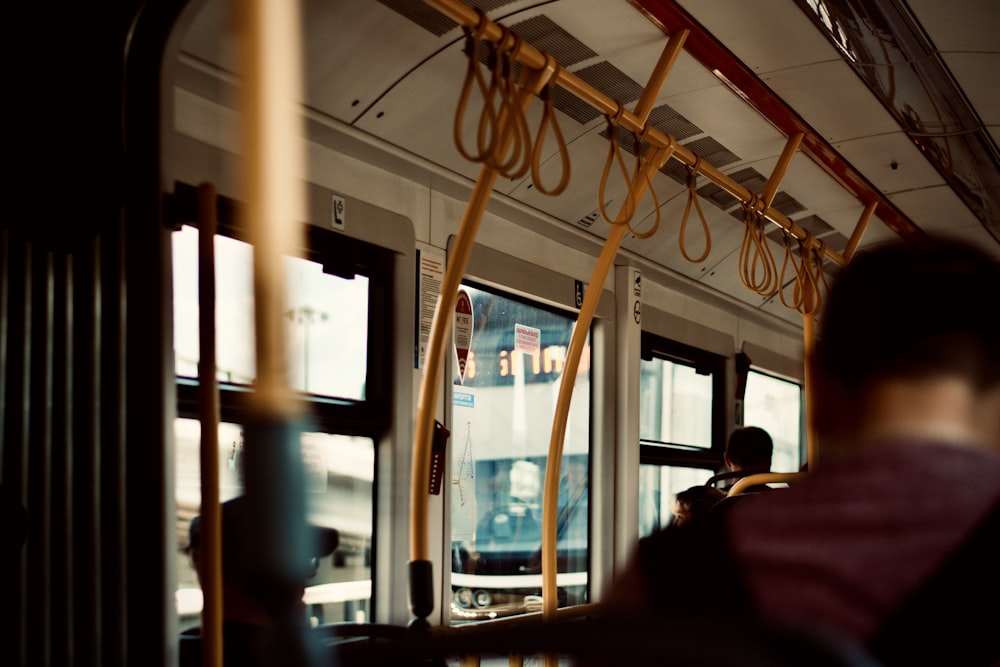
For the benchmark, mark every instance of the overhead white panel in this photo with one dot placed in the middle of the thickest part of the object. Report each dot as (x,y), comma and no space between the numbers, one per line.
(833,100)
(876,156)
(935,209)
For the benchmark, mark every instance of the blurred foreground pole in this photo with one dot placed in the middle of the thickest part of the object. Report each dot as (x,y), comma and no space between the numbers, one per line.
(274,169)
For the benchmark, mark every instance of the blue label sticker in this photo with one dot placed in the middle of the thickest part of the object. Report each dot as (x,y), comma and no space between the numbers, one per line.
(463,399)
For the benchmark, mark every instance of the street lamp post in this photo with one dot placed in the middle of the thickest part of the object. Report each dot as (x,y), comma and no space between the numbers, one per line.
(305,315)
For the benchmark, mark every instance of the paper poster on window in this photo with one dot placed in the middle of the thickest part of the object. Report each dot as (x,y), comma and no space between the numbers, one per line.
(527,339)
(463,331)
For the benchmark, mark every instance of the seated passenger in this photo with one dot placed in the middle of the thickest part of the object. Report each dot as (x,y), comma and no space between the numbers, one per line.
(892,544)
(248,626)
(694,503)
(748,451)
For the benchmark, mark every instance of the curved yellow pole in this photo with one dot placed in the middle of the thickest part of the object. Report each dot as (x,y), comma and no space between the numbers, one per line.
(577,342)
(421,592)
(433,362)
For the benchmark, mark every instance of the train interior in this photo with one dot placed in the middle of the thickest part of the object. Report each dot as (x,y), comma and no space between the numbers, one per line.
(719,162)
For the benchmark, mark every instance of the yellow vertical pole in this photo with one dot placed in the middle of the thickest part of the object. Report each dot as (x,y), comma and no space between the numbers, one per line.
(859,230)
(210,548)
(809,345)
(274,171)
(550,599)
(273,179)
(421,586)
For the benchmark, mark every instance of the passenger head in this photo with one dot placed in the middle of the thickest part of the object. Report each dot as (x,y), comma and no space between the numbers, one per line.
(906,314)
(694,504)
(749,448)
(242,597)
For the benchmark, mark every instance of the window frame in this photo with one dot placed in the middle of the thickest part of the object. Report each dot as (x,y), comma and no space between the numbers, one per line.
(370,417)
(343,256)
(704,362)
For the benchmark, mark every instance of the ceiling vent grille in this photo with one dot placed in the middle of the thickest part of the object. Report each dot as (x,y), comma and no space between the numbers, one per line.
(712,152)
(542,33)
(666,119)
(606,78)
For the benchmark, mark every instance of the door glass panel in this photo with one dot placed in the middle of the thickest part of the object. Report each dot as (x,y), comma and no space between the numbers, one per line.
(503,408)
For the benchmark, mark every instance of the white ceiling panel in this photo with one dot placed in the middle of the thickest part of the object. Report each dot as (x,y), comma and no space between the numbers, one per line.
(936,209)
(831,98)
(875,156)
(356,50)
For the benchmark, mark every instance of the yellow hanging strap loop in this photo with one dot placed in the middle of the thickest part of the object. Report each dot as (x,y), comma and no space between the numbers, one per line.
(511,155)
(549,118)
(489,138)
(615,155)
(806,296)
(813,265)
(789,261)
(640,172)
(473,78)
(757,269)
(692,181)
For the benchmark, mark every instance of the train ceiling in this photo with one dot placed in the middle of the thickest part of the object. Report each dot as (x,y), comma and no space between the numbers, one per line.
(896,104)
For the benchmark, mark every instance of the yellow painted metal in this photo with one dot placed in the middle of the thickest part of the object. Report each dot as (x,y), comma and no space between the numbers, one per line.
(809,346)
(771,189)
(576,345)
(210,549)
(764,478)
(550,601)
(274,169)
(442,322)
(663,66)
(859,230)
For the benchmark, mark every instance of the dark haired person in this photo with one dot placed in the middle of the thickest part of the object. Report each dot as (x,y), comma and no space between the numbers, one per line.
(249,629)
(892,544)
(749,450)
(694,504)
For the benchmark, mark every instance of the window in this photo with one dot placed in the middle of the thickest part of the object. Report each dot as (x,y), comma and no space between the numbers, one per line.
(776,406)
(502,412)
(337,312)
(681,418)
